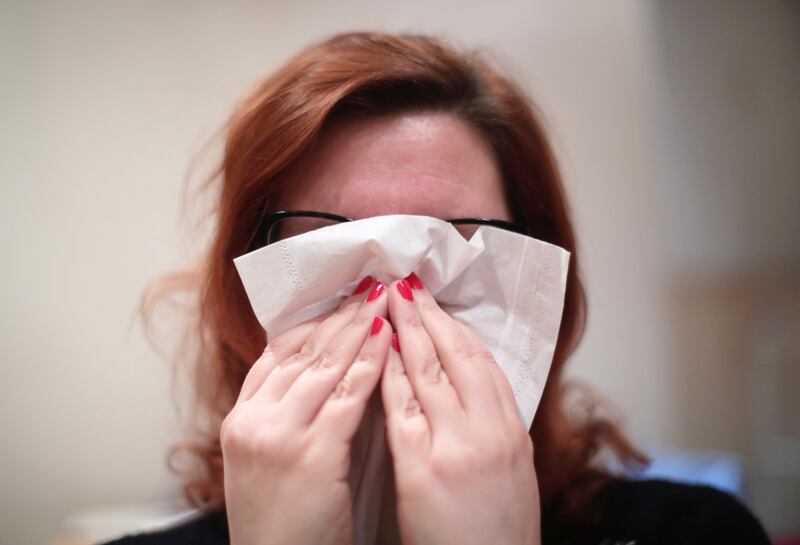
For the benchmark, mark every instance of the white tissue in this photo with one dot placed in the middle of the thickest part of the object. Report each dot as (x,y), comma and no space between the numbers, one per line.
(507,287)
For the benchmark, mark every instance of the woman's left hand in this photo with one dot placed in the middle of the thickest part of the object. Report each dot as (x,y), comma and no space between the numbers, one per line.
(463,459)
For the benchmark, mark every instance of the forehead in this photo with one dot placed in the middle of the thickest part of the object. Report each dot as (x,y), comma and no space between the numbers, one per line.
(428,163)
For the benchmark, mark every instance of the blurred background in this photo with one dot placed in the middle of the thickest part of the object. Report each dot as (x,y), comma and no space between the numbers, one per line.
(676,124)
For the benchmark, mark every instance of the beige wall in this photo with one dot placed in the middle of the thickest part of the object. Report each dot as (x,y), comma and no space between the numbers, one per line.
(104,104)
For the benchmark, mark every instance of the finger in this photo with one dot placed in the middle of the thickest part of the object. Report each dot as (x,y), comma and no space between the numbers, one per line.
(505,393)
(406,424)
(315,384)
(430,383)
(342,411)
(276,350)
(283,374)
(465,360)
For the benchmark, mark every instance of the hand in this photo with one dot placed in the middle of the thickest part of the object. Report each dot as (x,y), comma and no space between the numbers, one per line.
(286,442)
(463,459)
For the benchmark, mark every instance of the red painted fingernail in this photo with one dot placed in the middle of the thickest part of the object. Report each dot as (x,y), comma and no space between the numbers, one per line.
(363,285)
(395,342)
(377,324)
(405,289)
(377,289)
(414,280)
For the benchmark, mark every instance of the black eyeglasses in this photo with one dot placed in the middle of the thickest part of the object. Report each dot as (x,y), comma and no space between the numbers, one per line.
(282,224)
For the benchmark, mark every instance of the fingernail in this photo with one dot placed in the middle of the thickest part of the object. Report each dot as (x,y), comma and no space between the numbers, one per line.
(405,289)
(377,323)
(365,283)
(415,282)
(395,343)
(377,289)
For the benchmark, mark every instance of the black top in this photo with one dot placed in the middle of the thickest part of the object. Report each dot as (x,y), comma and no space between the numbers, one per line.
(633,512)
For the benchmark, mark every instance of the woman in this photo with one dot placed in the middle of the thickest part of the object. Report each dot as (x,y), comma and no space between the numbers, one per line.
(365,124)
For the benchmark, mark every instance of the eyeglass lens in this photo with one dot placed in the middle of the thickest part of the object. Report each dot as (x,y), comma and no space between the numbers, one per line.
(295,225)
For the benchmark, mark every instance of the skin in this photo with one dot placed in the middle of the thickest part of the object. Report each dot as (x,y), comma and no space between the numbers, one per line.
(403,164)
(462,459)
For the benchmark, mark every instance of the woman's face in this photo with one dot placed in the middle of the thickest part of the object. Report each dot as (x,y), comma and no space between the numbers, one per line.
(425,163)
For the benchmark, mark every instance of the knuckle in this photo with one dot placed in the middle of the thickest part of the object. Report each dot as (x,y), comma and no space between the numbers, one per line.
(325,362)
(428,304)
(343,387)
(249,437)
(468,350)
(233,433)
(497,450)
(291,360)
(431,367)
(501,451)
(510,447)
(411,407)
(413,320)
(269,445)
(278,344)
(482,352)
(354,379)
(456,463)
(465,350)
(224,429)
(311,347)
(362,361)
(475,458)
(268,350)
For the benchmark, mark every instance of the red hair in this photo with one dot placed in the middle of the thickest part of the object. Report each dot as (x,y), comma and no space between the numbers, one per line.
(369,74)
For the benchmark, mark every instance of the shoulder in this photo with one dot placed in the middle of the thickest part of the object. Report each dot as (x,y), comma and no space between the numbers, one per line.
(207,528)
(655,511)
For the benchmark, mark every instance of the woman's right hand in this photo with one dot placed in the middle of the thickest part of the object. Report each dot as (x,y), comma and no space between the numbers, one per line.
(286,442)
